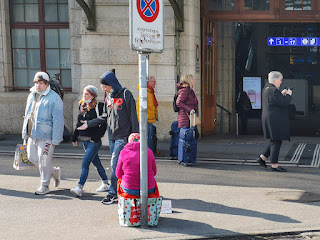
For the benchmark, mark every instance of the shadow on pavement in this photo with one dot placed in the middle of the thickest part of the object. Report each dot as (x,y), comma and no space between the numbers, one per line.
(61,194)
(174,225)
(22,194)
(199,205)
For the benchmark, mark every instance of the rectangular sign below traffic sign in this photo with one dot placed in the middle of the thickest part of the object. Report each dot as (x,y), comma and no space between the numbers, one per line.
(293,41)
(147,25)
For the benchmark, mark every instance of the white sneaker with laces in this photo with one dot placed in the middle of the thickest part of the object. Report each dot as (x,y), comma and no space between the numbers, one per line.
(56,176)
(104,187)
(42,190)
(77,191)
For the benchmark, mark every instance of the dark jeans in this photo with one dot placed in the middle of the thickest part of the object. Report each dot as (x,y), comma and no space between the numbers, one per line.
(91,155)
(136,192)
(115,148)
(243,116)
(272,151)
(152,137)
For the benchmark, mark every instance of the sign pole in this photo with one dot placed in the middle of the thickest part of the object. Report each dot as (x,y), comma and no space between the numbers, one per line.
(146,36)
(143,75)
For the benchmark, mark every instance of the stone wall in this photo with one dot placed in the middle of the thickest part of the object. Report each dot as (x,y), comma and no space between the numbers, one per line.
(108,47)
(95,52)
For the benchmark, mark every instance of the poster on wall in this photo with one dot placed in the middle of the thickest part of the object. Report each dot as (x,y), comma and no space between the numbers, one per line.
(252,86)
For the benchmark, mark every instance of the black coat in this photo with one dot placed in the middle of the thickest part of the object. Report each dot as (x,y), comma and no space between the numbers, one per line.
(275,115)
(96,132)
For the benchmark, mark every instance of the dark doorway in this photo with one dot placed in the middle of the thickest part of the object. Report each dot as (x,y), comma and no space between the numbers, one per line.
(299,65)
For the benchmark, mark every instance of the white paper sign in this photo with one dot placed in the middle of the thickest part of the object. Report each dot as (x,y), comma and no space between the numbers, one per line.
(166,206)
(147,25)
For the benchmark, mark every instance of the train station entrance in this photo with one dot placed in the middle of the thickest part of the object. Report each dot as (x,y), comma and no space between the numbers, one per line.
(242,41)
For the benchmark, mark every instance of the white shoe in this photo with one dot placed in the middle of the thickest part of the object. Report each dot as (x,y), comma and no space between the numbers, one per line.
(77,191)
(104,187)
(56,176)
(42,190)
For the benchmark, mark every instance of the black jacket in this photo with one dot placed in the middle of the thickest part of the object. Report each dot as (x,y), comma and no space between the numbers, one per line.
(121,115)
(275,116)
(120,110)
(95,132)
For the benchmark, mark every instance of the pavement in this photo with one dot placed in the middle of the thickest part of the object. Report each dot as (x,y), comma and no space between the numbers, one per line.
(217,211)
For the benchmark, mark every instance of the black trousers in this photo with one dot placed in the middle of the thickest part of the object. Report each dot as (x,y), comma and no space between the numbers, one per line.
(272,150)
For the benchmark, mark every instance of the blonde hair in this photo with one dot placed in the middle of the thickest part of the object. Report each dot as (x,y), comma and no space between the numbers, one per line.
(186,78)
(91,105)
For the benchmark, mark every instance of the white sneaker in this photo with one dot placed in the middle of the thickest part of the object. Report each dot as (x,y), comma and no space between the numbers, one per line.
(56,176)
(77,191)
(42,190)
(104,187)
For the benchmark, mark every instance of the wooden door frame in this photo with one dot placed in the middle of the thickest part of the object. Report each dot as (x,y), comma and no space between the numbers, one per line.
(205,21)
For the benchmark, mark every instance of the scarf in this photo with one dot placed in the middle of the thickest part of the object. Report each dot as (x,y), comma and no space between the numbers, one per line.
(155,102)
(84,108)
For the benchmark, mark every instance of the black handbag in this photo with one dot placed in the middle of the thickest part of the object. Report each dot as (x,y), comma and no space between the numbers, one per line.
(66,134)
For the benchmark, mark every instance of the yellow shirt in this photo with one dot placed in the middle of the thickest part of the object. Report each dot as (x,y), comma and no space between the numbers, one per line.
(152,110)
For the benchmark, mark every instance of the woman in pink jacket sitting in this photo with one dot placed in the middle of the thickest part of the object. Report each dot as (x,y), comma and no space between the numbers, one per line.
(128,167)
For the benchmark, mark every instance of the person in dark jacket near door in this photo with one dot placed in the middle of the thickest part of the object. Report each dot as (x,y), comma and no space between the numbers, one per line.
(275,119)
(121,118)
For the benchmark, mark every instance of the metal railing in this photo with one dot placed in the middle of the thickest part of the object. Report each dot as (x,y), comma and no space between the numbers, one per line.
(222,122)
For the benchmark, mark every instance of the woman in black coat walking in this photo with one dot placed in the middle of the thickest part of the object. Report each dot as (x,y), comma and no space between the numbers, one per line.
(275,119)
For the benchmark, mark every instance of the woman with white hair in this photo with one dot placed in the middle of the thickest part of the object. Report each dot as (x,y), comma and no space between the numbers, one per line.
(90,109)
(275,119)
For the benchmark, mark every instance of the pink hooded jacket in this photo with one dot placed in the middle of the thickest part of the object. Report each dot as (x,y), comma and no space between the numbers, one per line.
(128,167)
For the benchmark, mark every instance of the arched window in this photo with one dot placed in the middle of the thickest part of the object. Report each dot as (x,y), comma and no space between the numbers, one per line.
(40,40)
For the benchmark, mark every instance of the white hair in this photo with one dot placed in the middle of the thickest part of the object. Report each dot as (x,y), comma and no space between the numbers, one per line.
(151,77)
(274,75)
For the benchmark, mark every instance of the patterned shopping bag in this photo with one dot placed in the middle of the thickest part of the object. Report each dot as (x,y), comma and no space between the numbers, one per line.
(129,211)
(21,161)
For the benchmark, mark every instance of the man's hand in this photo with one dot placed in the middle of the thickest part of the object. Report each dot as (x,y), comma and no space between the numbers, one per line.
(84,126)
(192,111)
(75,143)
(284,92)
(289,92)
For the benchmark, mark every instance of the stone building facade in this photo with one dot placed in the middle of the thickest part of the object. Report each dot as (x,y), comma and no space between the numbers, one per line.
(107,47)
(94,52)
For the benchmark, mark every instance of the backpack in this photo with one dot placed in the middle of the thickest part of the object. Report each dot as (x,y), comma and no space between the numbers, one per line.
(175,107)
(55,86)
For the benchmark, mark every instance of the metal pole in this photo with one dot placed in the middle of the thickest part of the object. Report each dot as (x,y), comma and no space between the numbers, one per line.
(143,74)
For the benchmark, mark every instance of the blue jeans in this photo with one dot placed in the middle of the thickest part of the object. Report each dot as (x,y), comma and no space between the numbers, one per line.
(115,148)
(136,192)
(91,155)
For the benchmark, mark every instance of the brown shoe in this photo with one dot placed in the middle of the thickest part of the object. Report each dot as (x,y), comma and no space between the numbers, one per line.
(157,154)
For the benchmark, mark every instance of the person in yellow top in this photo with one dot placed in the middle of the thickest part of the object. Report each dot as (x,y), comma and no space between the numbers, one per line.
(152,114)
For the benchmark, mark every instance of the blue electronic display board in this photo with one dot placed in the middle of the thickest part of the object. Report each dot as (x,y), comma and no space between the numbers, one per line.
(294,41)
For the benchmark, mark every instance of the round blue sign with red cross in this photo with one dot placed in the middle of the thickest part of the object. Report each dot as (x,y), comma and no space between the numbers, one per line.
(148,9)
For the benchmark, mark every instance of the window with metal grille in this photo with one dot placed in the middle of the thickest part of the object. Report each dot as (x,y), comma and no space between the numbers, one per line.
(262,5)
(40,40)
(218,5)
(298,5)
